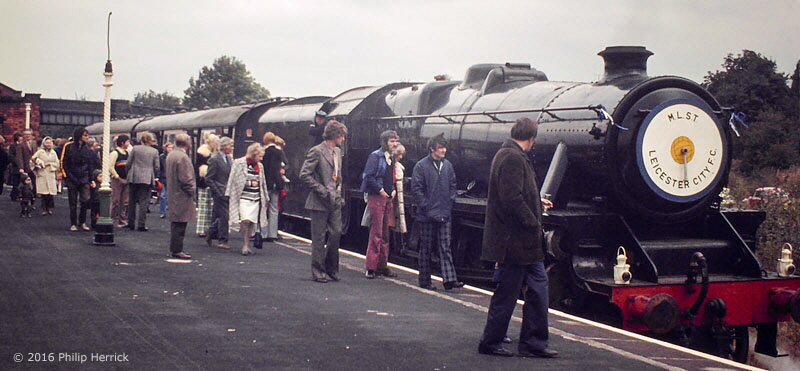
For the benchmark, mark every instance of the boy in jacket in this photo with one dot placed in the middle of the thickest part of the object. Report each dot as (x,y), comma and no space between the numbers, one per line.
(433,184)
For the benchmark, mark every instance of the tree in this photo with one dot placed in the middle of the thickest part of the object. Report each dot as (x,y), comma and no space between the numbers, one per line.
(160,100)
(227,82)
(750,83)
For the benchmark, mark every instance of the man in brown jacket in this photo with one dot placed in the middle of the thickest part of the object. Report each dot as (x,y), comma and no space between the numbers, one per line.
(180,194)
(322,173)
(512,237)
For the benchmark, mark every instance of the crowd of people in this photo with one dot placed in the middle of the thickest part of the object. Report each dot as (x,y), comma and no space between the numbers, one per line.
(225,195)
(192,190)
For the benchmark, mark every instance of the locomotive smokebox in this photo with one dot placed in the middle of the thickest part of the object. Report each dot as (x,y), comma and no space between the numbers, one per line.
(623,61)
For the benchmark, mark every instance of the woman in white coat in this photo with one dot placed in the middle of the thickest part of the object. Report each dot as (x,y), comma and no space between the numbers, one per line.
(247,195)
(45,164)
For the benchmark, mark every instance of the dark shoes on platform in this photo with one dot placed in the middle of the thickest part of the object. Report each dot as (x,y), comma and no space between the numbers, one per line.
(501,352)
(543,353)
(428,287)
(333,277)
(181,255)
(142,229)
(379,272)
(453,285)
(386,273)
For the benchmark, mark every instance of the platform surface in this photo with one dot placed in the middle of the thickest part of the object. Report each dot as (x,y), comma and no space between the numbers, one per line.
(127,306)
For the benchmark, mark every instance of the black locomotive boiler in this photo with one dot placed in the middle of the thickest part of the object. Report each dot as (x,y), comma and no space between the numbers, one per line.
(631,162)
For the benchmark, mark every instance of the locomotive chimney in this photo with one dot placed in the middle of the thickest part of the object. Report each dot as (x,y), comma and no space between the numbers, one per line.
(624,61)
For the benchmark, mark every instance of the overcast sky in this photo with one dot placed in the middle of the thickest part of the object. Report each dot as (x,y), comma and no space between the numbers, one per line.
(301,47)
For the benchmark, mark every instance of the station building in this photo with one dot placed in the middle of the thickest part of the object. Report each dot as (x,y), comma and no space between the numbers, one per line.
(59,117)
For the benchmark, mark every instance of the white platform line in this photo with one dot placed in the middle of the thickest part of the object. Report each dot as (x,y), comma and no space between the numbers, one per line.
(561,314)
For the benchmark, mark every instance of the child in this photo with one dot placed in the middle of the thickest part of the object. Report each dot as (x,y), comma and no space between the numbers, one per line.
(26,196)
(94,196)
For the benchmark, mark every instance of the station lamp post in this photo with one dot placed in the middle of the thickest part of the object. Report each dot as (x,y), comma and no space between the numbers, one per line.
(104,230)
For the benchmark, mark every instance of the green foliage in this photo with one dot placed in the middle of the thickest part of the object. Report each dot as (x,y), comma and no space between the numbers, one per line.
(796,81)
(750,83)
(227,81)
(771,142)
(160,100)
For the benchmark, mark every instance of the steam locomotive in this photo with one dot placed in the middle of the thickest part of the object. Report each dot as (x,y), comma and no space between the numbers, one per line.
(632,163)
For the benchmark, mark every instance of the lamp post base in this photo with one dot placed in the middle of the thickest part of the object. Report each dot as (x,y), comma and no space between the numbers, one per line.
(104,234)
(104,230)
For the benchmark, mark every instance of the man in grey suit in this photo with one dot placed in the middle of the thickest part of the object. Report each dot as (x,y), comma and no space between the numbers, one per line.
(219,168)
(142,166)
(322,173)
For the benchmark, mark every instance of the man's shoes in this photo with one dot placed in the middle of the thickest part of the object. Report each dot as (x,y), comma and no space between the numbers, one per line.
(333,277)
(224,246)
(428,287)
(542,353)
(72,228)
(85,227)
(208,240)
(501,352)
(163,216)
(142,229)
(320,279)
(506,339)
(453,285)
(370,274)
(181,255)
(387,273)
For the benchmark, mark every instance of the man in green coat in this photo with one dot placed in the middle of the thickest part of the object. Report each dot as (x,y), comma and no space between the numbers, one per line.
(512,238)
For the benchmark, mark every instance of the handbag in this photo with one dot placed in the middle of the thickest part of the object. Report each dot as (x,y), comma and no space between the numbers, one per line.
(258,240)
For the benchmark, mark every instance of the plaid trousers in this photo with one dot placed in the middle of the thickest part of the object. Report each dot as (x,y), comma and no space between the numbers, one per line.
(441,232)
(204,205)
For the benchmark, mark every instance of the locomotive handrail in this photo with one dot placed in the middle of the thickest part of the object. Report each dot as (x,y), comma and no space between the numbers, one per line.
(493,114)
(599,110)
